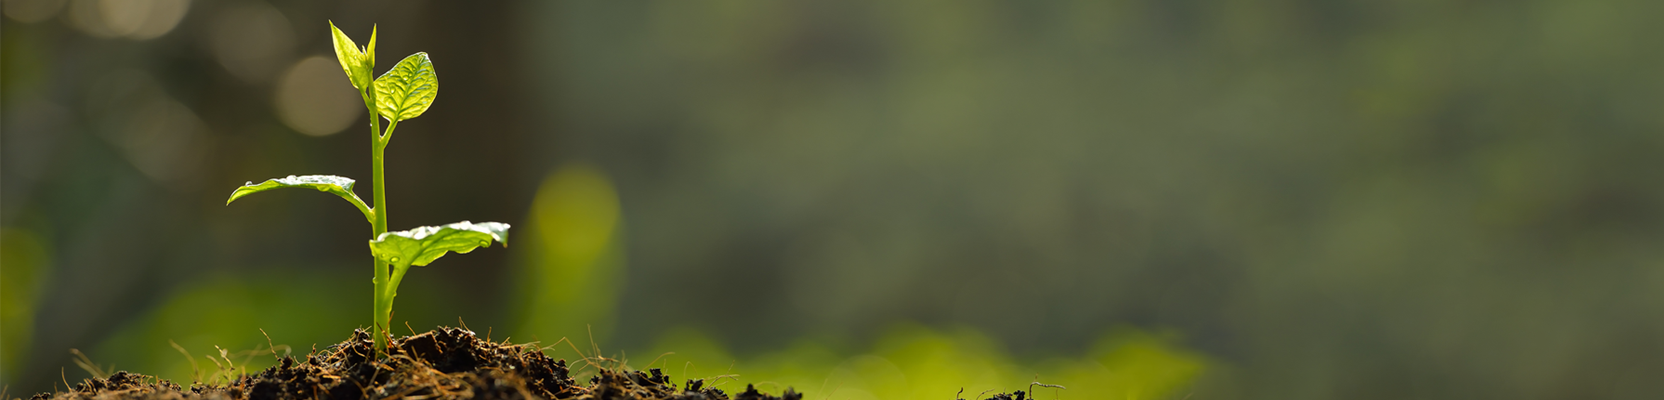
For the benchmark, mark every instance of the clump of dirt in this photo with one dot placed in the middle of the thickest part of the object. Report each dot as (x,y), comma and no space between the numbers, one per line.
(1017,395)
(446,363)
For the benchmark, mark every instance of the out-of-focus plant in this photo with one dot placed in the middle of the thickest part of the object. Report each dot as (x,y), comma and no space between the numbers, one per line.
(26,258)
(911,361)
(403,92)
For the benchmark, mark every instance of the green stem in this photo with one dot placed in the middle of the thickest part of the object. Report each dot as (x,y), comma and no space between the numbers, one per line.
(383,306)
(391,291)
(386,283)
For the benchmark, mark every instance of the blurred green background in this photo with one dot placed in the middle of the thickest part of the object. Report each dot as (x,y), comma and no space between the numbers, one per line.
(1294,199)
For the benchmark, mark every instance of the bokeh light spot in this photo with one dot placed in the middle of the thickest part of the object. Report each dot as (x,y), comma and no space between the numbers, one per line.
(161,137)
(576,211)
(252,41)
(572,282)
(315,99)
(162,17)
(32,10)
(131,19)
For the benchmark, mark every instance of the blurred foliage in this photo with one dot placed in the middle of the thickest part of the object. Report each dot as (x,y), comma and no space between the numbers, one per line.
(25,262)
(228,312)
(910,361)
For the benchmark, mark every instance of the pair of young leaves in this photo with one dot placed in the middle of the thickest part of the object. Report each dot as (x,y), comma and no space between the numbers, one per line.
(401,249)
(404,92)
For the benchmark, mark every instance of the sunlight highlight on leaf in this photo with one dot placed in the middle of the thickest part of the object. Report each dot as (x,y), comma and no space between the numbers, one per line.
(358,65)
(407,90)
(336,185)
(423,245)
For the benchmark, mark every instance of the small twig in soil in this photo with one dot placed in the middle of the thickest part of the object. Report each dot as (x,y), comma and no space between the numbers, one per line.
(86,364)
(656,359)
(248,356)
(574,347)
(1036,382)
(732,377)
(219,368)
(823,383)
(594,348)
(828,395)
(725,374)
(269,346)
(196,373)
(529,347)
(232,371)
(595,359)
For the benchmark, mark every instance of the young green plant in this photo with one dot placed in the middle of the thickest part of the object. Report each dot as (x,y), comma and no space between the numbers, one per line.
(402,93)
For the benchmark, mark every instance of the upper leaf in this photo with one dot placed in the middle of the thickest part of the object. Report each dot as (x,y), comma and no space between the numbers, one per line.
(422,245)
(339,186)
(370,51)
(407,90)
(358,65)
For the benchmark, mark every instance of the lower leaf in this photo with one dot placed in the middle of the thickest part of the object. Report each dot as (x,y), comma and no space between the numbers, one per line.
(423,245)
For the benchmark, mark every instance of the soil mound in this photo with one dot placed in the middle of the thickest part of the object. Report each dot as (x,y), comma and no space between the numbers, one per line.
(446,363)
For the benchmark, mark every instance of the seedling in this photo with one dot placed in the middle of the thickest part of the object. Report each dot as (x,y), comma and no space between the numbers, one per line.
(401,93)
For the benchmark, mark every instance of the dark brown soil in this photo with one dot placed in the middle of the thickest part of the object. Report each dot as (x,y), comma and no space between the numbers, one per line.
(447,363)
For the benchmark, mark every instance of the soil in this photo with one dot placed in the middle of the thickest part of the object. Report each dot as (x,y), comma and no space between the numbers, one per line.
(446,363)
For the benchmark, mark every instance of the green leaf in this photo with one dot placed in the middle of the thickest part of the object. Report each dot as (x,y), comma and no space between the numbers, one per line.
(407,90)
(422,245)
(358,65)
(370,53)
(339,186)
